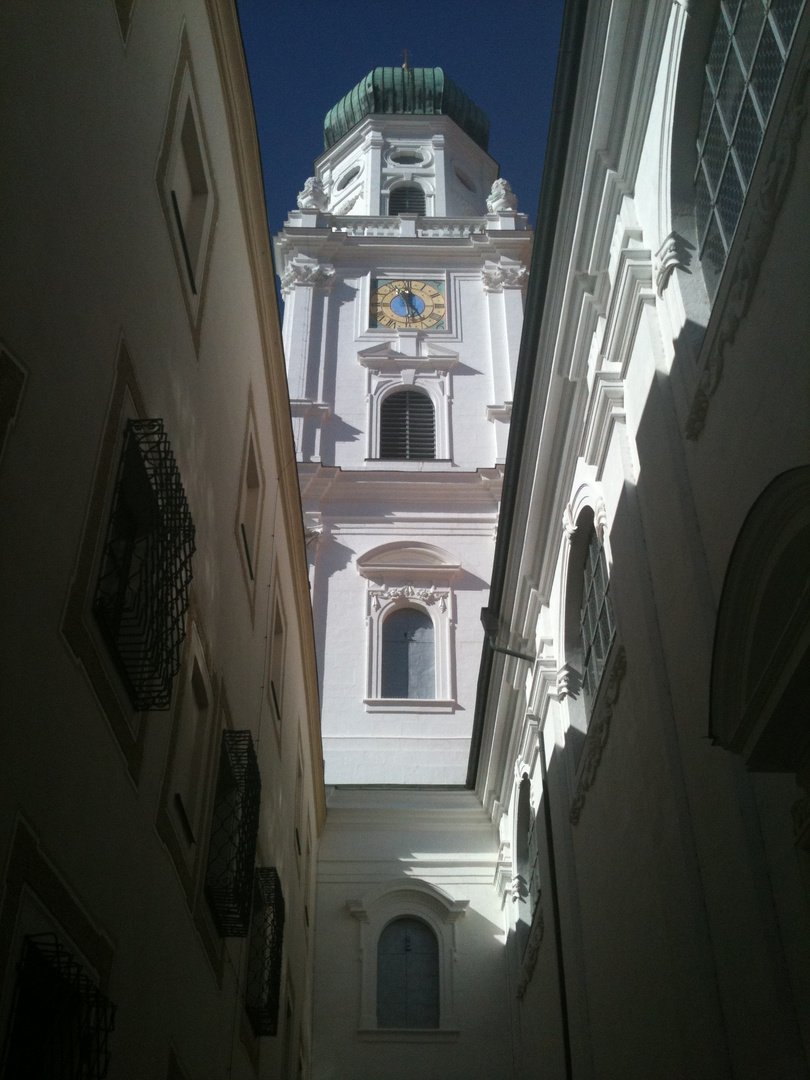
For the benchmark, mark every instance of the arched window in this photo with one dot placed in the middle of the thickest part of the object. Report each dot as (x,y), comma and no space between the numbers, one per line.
(745,64)
(596,622)
(407,427)
(408,655)
(407,975)
(406,199)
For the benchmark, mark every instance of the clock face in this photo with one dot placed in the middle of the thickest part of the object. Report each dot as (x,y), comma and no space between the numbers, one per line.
(407,302)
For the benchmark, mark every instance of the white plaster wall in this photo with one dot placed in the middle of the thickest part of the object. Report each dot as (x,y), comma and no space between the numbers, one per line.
(445,839)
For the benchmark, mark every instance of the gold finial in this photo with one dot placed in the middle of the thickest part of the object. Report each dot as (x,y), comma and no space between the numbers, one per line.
(405,63)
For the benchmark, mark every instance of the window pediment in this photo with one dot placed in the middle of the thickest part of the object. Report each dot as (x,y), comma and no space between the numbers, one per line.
(387,358)
(415,561)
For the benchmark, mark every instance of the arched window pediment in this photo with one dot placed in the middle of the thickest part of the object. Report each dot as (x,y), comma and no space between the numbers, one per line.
(415,561)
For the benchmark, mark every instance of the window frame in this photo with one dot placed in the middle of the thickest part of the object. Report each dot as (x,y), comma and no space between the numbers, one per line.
(185,96)
(381,906)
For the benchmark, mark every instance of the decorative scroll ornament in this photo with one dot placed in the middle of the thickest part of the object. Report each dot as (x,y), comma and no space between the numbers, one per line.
(305,271)
(598,735)
(313,197)
(673,254)
(409,592)
(532,952)
(502,199)
(768,203)
(600,520)
(518,889)
(506,273)
(566,680)
(568,523)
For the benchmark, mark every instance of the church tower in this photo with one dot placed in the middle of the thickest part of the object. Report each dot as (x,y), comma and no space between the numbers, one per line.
(403,271)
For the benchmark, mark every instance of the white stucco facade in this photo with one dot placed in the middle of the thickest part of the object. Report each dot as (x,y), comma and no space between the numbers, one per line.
(435,519)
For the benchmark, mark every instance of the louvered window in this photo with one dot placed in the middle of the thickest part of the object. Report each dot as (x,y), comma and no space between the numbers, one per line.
(744,67)
(234,828)
(406,199)
(60,1020)
(597,625)
(407,427)
(142,593)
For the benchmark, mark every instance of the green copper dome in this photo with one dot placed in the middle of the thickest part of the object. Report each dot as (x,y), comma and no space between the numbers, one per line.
(406,92)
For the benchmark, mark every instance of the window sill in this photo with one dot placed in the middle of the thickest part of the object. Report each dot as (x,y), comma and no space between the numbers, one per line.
(410,464)
(410,705)
(440,1035)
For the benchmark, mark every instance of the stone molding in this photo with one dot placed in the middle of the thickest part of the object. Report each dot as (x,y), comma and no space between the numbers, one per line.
(672,255)
(532,952)
(504,274)
(301,270)
(597,736)
(409,592)
(769,199)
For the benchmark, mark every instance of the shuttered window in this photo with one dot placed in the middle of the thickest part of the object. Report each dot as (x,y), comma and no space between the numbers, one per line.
(406,199)
(407,976)
(407,427)
(409,662)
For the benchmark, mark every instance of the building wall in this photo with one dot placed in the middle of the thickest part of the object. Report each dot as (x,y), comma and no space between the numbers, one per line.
(677,874)
(99,319)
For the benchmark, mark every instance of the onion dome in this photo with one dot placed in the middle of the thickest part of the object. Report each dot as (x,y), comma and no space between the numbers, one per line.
(406,92)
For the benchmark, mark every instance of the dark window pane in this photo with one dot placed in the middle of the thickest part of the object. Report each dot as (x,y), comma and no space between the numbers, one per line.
(746,32)
(717,53)
(703,205)
(729,201)
(767,71)
(747,139)
(407,976)
(731,92)
(714,258)
(786,14)
(714,153)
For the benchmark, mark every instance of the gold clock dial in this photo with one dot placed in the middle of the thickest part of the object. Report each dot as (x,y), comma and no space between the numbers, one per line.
(408,302)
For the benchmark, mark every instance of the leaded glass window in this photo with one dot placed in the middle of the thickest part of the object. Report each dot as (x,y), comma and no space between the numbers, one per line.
(407,976)
(744,67)
(597,626)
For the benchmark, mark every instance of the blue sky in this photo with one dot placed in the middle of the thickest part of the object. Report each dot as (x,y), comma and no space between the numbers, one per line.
(304,55)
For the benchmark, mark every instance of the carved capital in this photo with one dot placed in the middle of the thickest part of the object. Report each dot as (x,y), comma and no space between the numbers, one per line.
(598,735)
(508,273)
(302,270)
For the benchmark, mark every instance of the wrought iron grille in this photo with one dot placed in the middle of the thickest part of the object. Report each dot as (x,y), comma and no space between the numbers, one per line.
(142,593)
(407,426)
(60,1020)
(746,59)
(234,827)
(406,199)
(263,989)
(597,625)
